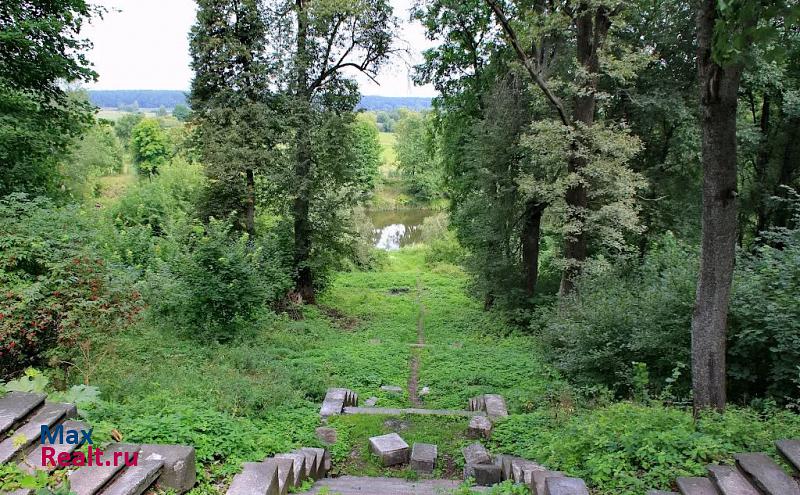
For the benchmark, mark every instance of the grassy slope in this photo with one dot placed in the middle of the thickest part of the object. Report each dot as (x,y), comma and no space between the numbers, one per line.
(260,394)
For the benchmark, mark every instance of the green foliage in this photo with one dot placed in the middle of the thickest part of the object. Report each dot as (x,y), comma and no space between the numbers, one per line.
(638,312)
(625,449)
(96,153)
(217,283)
(150,146)
(35,381)
(415,154)
(124,125)
(181,112)
(40,46)
(57,287)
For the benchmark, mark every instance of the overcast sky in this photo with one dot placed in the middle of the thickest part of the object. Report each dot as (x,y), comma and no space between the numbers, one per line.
(143,44)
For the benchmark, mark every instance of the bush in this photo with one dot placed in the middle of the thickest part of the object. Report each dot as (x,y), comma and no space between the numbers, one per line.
(640,313)
(150,146)
(215,283)
(627,449)
(764,350)
(57,288)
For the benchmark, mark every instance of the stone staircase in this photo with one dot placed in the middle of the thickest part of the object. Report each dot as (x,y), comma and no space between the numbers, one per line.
(753,474)
(280,473)
(22,416)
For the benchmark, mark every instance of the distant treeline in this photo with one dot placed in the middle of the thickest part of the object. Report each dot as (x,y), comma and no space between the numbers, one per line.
(131,99)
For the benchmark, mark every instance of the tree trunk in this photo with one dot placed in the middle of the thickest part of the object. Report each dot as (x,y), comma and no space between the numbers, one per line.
(304,278)
(250,205)
(761,169)
(531,233)
(718,99)
(592,27)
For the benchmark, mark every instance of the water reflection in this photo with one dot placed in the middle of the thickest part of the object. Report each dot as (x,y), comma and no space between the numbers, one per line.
(397,228)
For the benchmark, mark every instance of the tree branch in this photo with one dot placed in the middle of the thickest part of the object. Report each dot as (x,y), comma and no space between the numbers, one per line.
(530,66)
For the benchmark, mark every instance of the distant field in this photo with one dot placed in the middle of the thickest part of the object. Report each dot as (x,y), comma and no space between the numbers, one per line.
(388,141)
(114,114)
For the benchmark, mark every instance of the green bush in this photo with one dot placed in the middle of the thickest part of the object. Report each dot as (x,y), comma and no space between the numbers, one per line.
(215,283)
(627,449)
(764,351)
(150,146)
(56,286)
(640,313)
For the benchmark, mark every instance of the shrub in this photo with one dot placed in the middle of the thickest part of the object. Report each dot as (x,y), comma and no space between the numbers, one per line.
(627,449)
(56,286)
(150,146)
(636,313)
(215,282)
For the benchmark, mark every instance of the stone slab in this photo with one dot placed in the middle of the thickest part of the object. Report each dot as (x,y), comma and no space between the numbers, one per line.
(371,402)
(766,475)
(730,481)
(33,460)
(476,403)
(487,474)
(331,407)
(285,473)
(423,457)
(354,485)
(299,465)
(521,470)
(790,450)
(495,406)
(319,460)
(19,491)
(180,469)
(479,427)
(88,480)
(312,467)
(695,486)
(660,492)
(390,449)
(565,486)
(506,462)
(538,479)
(394,389)
(326,435)
(134,480)
(476,454)
(23,437)
(16,406)
(390,411)
(256,478)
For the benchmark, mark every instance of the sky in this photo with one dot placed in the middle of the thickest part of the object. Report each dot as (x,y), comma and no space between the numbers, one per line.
(143,44)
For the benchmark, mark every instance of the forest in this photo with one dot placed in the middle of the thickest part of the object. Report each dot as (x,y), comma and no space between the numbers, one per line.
(597,218)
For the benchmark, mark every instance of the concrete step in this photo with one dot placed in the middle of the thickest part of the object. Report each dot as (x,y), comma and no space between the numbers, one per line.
(696,486)
(730,481)
(16,406)
(766,475)
(538,481)
(565,486)
(285,473)
(90,479)
(179,472)
(298,465)
(33,460)
(256,478)
(658,492)
(134,480)
(390,411)
(790,450)
(312,465)
(319,458)
(354,485)
(23,437)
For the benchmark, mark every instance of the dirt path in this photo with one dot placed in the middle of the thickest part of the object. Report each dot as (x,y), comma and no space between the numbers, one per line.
(413,361)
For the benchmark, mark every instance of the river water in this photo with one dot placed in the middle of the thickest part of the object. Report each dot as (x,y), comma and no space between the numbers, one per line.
(394,229)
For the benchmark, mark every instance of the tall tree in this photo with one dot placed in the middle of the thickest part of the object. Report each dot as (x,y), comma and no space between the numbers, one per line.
(725,32)
(321,43)
(237,114)
(41,48)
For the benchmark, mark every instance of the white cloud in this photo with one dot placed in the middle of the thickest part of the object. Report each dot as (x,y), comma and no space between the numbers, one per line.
(143,44)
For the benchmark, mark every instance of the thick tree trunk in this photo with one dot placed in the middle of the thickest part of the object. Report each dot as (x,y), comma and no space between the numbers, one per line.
(718,99)
(250,205)
(531,234)
(304,279)
(592,26)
